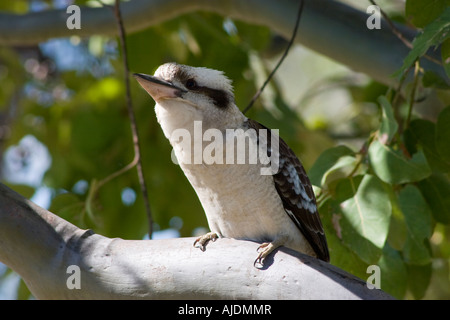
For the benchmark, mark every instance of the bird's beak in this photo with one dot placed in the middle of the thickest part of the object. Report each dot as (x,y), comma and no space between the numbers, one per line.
(159,89)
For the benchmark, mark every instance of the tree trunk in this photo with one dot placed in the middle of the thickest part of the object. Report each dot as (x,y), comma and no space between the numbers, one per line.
(43,248)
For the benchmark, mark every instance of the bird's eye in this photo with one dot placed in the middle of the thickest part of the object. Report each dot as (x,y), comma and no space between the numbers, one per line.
(191,84)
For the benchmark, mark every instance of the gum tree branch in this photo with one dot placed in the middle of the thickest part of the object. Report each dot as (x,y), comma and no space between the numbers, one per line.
(40,246)
(328,27)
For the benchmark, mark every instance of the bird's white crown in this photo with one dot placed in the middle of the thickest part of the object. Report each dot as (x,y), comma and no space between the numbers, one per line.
(205,77)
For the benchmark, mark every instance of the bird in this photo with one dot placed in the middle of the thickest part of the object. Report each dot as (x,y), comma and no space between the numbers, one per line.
(240,202)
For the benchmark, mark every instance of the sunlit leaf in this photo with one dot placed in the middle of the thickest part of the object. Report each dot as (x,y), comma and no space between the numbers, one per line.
(393,167)
(341,255)
(327,161)
(368,212)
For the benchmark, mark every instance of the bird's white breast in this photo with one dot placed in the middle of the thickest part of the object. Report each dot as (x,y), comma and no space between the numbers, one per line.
(241,203)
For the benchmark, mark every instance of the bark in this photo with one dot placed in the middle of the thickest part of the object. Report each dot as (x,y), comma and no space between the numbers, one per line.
(328,27)
(40,247)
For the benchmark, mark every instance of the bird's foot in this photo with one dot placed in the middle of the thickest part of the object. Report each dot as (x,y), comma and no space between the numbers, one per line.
(202,241)
(264,250)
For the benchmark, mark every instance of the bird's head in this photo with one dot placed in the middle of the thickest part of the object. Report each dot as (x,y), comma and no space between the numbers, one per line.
(185,94)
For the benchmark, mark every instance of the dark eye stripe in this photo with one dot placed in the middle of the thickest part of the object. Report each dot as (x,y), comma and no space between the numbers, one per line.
(221,98)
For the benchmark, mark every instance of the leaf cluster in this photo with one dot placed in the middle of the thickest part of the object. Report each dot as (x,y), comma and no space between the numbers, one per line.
(388,204)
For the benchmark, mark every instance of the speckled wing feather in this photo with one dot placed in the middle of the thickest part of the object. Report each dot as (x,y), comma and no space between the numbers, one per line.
(295,190)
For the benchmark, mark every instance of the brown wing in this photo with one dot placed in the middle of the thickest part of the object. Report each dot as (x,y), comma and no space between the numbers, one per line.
(296,193)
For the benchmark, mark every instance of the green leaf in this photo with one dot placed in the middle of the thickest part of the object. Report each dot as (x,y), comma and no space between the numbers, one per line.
(422,12)
(368,213)
(436,190)
(433,80)
(343,167)
(397,228)
(423,132)
(389,125)
(418,222)
(326,163)
(341,254)
(360,246)
(443,134)
(419,279)
(393,167)
(433,34)
(345,189)
(393,272)
(445,54)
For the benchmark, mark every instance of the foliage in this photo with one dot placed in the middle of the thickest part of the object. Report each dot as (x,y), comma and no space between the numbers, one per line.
(389,200)
(383,194)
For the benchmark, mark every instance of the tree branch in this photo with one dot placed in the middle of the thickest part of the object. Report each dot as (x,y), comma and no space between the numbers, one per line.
(328,27)
(40,246)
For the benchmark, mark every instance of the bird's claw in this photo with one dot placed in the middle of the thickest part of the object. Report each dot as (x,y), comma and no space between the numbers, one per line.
(264,250)
(202,241)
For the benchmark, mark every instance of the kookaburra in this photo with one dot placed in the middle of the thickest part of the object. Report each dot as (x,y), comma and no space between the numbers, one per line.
(239,201)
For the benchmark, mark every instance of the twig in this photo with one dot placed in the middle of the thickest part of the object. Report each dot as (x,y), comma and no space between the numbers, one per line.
(399,35)
(394,29)
(291,41)
(395,106)
(413,93)
(137,151)
(134,129)
(399,87)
